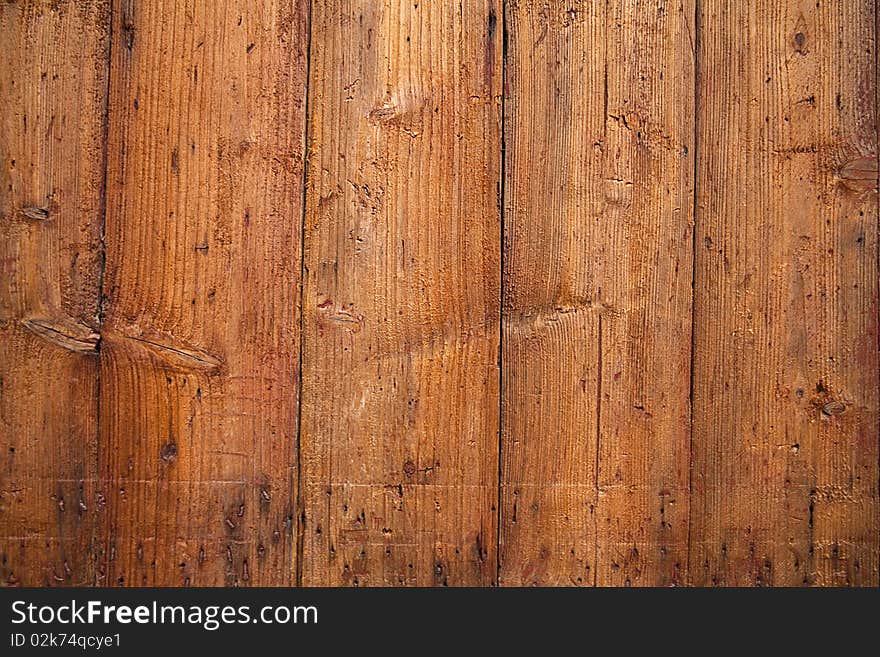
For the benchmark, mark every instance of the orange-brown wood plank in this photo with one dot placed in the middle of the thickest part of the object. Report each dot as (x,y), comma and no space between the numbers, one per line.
(785,442)
(402,294)
(53,83)
(200,342)
(599,128)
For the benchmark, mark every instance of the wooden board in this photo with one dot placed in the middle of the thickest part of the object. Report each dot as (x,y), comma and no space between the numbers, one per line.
(597,294)
(785,378)
(401,298)
(53,81)
(349,292)
(200,339)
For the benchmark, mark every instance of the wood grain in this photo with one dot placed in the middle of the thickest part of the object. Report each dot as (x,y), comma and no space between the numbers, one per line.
(517,292)
(786,297)
(597,294)
(53,80)
(402,294)
(200,341)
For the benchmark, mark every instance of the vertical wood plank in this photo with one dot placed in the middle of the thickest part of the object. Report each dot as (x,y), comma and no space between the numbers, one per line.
(402,294)
(53,83)
(786,372)
(200,343)
(597,293)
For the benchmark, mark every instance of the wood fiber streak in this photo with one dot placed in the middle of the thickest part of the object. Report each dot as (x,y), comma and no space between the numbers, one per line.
(597,293)
(402,294)
(200,343)
(785,456)
(53,80)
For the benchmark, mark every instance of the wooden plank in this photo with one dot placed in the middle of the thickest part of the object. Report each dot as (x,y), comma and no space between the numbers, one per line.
(200,342)
(53,83)
(786,297)
(402,294)
(597,293)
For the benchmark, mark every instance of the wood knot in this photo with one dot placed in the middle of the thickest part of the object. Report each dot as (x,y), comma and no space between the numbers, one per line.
(409,468)
(168,452)
(401,113)
(170,352)
(383,113)
(345,318)
(65,332)
(799,38)
(859,174)
(833,408)
(36,213)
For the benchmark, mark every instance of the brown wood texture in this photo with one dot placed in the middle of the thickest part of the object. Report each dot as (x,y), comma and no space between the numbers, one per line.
(401,302)
(53,84)
(200,337)
(785,450)
(489,292)
(597,294)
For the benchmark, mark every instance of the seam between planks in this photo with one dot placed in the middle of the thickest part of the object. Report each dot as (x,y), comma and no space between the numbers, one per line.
(877,186)
(300,504)
(696,133)
(502,201)
(99,310)
(96,538)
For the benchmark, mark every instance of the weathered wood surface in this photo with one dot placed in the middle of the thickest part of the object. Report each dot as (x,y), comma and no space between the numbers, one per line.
(200,336)
(402,294)
(597,302)
(348,292)
(785,449)
(53,86)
